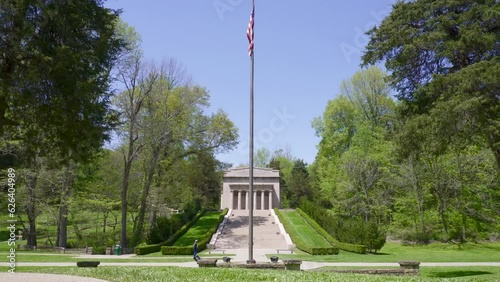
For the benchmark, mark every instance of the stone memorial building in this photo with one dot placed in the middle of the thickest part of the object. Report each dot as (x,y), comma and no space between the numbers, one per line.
(266,189)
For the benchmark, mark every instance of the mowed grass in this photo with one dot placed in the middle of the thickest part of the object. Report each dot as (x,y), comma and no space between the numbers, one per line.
(394,252)
(133,274)
(200,229)
(304,230)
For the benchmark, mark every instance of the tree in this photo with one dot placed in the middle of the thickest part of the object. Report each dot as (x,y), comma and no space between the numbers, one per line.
(55,74)
(139,85)
(54,87)
(261,157)
(298,185)
(444,62)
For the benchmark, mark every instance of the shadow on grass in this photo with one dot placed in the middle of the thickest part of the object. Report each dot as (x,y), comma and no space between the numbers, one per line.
(452,274)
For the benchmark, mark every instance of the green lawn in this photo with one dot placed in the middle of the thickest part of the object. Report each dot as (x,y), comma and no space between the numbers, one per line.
(172,274)
(206,223)
(304,230)
(393,252)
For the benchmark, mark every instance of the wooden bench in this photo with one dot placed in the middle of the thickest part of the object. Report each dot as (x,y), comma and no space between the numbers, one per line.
(217,251)
(284,250)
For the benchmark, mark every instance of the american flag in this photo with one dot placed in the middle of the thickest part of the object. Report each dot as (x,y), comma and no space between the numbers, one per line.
(250,32)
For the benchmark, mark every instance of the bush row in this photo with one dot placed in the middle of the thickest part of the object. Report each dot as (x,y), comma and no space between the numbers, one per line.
(330,225)
(202,241)
(147,249)
(299,243)
(320,230)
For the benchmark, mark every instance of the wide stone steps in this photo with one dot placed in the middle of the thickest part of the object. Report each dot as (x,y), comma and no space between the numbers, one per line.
(266,234)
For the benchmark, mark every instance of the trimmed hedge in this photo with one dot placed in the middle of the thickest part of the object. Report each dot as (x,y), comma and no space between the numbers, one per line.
(353,248)
(299,243)
(203,241)
(176,251)
(147,249)
(320,230)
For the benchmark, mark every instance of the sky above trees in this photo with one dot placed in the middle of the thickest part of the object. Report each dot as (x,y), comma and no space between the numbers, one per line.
(303,51)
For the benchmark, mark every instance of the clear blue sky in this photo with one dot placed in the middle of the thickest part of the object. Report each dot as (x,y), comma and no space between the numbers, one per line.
(303,50)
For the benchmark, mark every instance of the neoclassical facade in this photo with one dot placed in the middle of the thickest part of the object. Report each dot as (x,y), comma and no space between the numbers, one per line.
(266,187)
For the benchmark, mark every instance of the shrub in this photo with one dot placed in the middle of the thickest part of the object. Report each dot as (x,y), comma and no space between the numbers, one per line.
(147,249)
(302,245)
(341,234)
(320,230)
(160,231)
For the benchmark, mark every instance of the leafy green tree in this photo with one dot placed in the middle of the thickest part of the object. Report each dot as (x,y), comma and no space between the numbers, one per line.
(262,157)
(55,74)
(444,62)
(298,184)
(353,152)
(283,161)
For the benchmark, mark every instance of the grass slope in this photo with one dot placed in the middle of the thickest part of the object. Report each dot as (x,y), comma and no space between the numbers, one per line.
(200,228)
(304,230)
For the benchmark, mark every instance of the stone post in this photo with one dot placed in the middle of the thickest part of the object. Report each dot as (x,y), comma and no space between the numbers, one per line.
(239,200)
(262,193)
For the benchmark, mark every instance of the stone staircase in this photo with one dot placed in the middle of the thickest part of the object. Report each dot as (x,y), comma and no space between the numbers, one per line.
(266,233)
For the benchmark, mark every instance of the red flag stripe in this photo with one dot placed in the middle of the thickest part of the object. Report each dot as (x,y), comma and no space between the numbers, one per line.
(250,32)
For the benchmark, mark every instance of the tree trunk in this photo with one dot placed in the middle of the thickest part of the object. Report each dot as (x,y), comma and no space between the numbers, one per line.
(31,209)
(62,239)
(124,190)
(494,142)
(139,227)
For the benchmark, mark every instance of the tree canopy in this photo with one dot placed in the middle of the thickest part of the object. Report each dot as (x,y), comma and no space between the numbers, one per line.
(55,69)
(444,61)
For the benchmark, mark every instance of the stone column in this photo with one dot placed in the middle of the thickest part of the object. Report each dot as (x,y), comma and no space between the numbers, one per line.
(231,193)
(262,194)
(248,200)
(270,200)
(254,199)
(239,200)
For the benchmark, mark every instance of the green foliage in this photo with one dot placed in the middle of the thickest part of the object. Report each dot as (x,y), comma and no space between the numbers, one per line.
(329,224)
(444,62)
(303,235)
(161,230)
(298,185)
(262,157)
(65,52)
(202,231)
(176,250)
(147,249)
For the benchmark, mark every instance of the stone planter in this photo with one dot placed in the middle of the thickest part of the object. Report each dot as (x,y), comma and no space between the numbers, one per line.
(207,263)
(88,263)
(409,264)
(292,264)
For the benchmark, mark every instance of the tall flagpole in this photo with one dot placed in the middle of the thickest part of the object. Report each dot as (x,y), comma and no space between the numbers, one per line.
(250,191)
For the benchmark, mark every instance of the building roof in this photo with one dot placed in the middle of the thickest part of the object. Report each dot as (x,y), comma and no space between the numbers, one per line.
(257,172)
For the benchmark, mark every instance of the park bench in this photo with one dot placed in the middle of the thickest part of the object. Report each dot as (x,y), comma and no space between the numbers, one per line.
(217,251)
(284,250)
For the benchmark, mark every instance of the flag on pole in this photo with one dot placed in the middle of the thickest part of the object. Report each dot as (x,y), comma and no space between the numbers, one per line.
(250,32)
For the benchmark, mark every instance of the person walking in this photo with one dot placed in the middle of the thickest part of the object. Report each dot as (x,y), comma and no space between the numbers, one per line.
(195,250)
